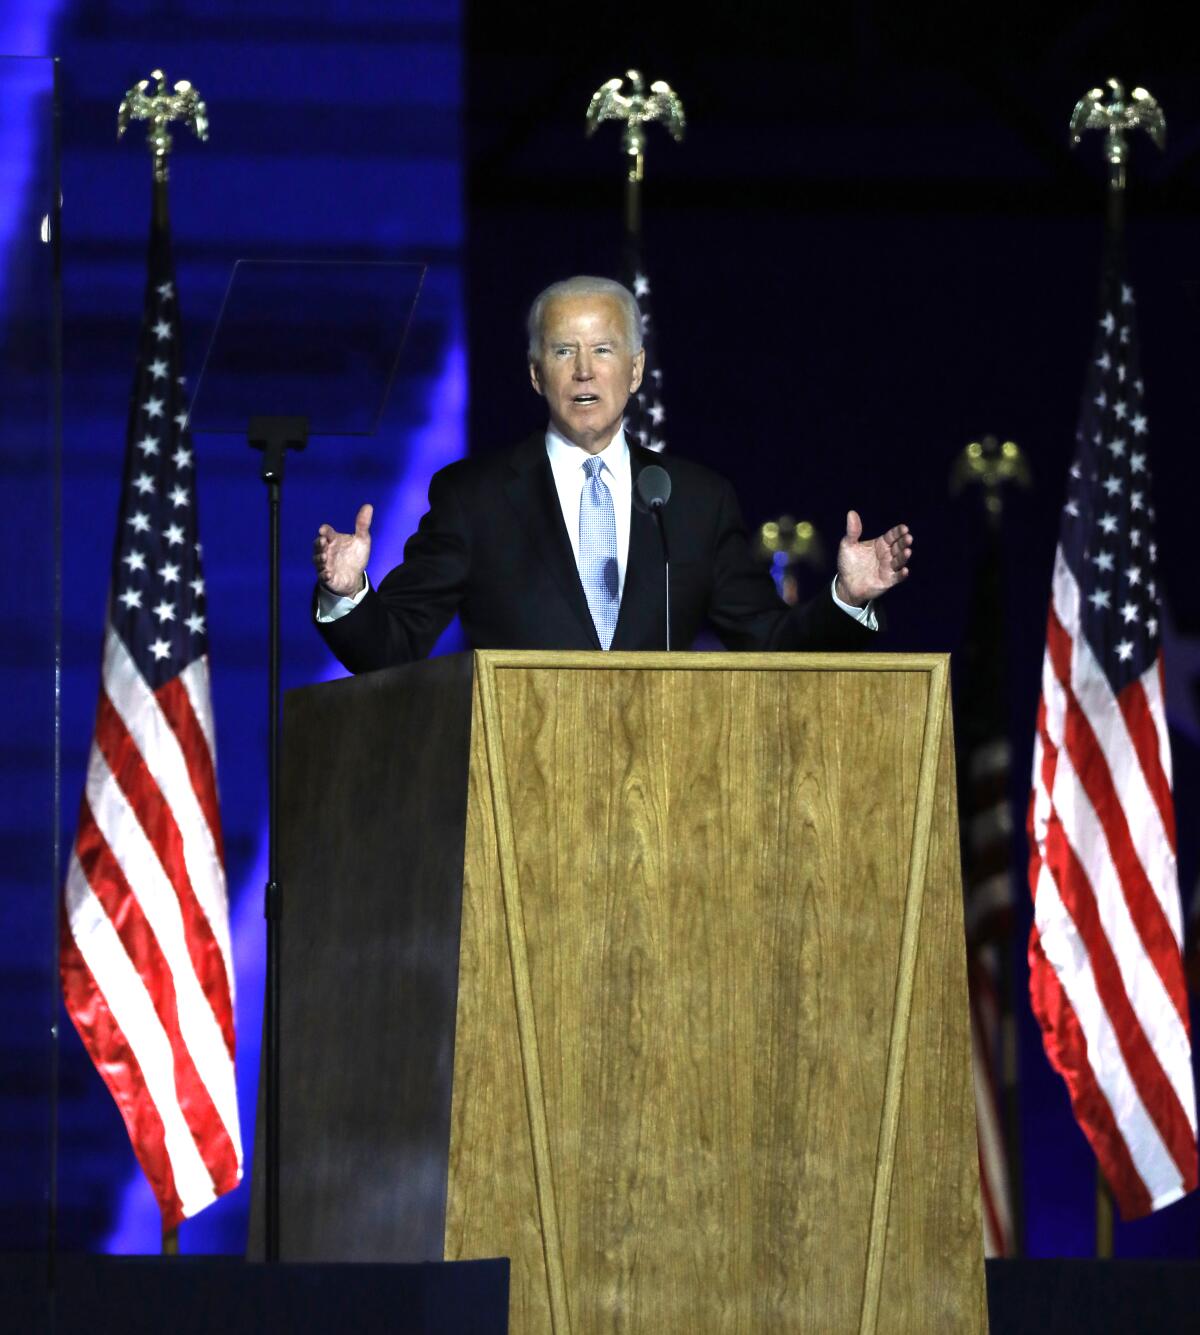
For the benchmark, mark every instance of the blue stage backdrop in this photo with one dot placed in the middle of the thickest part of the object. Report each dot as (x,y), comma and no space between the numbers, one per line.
(28,483)
(335,134)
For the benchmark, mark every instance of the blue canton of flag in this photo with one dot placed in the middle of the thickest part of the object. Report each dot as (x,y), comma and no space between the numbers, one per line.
(1108,520)
(158,586)
(645,414)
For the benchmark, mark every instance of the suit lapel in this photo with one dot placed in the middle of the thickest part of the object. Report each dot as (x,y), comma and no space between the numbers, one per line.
(641,600)
(531,492)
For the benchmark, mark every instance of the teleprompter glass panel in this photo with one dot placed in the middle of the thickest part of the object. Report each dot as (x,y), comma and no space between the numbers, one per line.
(319,339)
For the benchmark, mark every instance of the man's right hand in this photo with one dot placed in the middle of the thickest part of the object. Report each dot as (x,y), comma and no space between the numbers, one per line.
(341,558)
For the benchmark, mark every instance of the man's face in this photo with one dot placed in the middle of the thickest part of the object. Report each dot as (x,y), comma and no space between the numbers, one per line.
(586,369)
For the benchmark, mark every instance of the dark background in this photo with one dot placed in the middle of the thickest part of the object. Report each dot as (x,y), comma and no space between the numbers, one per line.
(873,246)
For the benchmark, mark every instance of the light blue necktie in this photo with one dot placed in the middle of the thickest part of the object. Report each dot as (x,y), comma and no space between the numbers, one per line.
(598,551)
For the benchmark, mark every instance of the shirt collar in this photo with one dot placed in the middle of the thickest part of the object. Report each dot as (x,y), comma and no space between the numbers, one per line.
(567,458)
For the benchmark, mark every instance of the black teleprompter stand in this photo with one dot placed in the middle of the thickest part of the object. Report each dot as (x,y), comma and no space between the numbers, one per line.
(274,436)
(300,349)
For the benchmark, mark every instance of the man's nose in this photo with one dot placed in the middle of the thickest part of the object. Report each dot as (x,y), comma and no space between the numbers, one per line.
(583,367)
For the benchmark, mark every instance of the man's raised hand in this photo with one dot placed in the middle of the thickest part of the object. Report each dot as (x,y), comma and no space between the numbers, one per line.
(341,558)
(868,569)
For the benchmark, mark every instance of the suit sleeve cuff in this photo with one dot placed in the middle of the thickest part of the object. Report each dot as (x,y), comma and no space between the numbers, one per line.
(865,616)
(332,606)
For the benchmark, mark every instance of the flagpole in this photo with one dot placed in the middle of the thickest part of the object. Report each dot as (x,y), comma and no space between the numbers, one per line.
(1012,1101)
(1117,118)
(1104,1218)
(150,100)
(1109,110)
(992,466)
(1011,1105)
(634,110)
(1114,231)
(633,198)
(160,208)
(160,215)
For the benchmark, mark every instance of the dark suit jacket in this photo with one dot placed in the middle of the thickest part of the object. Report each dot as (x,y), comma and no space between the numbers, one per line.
(494,548)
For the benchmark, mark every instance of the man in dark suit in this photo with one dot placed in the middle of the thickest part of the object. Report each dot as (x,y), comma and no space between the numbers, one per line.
(546,547)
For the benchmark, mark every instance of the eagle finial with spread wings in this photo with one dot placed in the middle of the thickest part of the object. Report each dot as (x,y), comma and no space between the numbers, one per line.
(1117,117)
(636,108)
(160,108)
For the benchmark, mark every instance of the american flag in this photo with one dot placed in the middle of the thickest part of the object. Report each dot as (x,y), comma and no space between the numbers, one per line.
(987,828)
(645,415)
(147,971)
(1106,970)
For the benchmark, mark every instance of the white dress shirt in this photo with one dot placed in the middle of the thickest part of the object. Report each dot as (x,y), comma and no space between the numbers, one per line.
(566,465)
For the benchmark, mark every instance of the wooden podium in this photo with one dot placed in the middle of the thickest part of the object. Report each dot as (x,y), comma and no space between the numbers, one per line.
(644,970)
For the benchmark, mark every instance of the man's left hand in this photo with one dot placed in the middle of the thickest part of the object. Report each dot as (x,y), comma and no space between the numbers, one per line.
(867,569)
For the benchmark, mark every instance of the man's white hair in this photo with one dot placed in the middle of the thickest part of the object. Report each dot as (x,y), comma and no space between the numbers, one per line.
(584,285)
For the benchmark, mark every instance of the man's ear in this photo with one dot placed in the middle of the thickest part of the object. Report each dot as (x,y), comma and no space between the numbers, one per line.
(535,378)
(639,368)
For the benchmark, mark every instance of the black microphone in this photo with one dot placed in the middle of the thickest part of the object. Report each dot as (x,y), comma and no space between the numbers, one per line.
(654,487)
(654,491)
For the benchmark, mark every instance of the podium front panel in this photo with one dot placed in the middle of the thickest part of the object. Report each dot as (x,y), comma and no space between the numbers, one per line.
(707,902)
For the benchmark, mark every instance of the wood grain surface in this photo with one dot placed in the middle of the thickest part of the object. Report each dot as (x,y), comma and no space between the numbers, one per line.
(684,897)
(933,1274)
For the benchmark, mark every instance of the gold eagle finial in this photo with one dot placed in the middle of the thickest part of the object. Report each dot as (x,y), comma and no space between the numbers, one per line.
(1117,118)
(160,108)
(992,466)
(636,109)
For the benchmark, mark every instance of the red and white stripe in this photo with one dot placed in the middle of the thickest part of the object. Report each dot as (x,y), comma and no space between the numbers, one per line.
(1105,952)
(146,960)
(988,910)
(998,1239)
(989,841)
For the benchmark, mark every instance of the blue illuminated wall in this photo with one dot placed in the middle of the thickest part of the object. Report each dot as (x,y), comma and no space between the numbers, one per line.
(28,646)
(335,134)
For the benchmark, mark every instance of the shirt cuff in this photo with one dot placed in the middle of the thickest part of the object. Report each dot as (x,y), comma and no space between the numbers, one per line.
(865,616)
(332,606)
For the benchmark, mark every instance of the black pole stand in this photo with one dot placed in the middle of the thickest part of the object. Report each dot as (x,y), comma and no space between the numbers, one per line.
(274,436)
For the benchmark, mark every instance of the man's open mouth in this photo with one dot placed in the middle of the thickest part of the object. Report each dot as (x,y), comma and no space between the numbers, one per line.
(585,398)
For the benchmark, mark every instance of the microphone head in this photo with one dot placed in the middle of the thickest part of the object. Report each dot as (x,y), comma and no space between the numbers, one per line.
(654,487)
